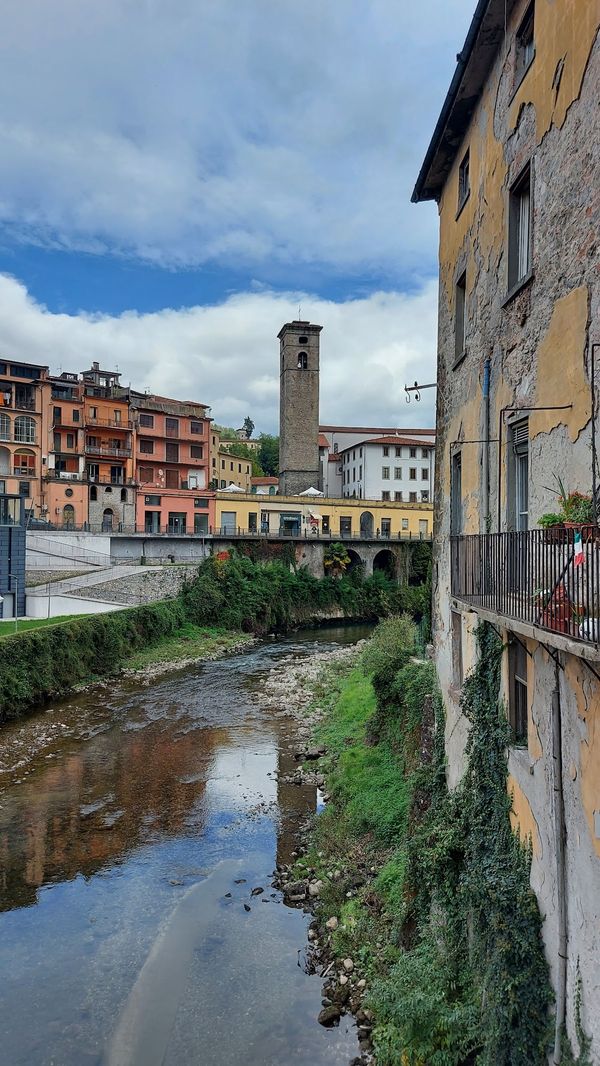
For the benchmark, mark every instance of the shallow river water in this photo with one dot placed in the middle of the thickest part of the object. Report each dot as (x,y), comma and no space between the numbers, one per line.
(134,823)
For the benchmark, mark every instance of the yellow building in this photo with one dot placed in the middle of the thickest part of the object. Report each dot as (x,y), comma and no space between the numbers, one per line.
(306,516)
(514,165)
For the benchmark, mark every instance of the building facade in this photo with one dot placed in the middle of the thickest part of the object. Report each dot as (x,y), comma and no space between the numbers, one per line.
(514,167)
(389,468)
(299,407)
(108,449)
(66,484)
(23,430)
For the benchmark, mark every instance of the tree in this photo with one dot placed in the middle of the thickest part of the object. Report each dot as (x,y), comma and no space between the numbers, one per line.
(248,426)
(268,454)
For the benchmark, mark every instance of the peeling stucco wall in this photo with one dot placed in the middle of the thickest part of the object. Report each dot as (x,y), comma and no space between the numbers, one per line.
(538,344)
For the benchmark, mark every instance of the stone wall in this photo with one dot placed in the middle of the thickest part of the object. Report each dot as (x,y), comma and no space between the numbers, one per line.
(146,587)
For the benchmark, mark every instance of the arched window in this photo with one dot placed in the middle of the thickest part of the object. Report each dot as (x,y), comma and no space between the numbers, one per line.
(93,493)
(4,427)
(68,516)
(24,463)
(107,520)
(123,495)
(25,429)
(302,361)
(4,461)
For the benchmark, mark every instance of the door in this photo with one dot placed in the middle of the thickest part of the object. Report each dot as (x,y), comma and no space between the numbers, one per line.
(228,522)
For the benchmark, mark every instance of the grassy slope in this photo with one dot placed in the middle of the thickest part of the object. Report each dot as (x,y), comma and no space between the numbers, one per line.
(190,642)
(7,628)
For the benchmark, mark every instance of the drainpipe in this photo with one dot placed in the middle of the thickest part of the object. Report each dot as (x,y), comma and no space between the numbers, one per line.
(486,448)
(559,842)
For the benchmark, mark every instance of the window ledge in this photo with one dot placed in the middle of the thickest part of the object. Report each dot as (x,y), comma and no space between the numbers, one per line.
(461,205)
(516,289)
(460,358)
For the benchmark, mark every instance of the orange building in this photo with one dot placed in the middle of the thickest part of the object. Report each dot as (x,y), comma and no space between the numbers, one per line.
(172,444)
(23,413)
(65,484)
(108,451)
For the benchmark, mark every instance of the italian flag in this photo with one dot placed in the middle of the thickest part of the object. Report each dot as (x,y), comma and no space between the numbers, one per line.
(578,557)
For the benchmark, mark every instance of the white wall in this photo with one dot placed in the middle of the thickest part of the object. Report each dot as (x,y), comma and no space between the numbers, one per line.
(363,466)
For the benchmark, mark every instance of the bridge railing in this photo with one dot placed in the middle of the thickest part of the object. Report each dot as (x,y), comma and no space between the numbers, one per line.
(223,532)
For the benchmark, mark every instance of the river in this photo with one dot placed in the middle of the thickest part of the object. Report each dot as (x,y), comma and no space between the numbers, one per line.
(135,821)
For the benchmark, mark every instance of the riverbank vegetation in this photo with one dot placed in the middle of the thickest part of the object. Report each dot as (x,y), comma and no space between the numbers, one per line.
(187,644)
(433,904)
(235,593)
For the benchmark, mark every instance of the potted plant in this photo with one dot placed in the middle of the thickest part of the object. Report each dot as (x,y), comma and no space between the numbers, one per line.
(576,508)
(552,524)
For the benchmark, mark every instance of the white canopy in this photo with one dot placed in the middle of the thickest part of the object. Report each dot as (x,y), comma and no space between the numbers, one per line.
(232,488)
(310,492)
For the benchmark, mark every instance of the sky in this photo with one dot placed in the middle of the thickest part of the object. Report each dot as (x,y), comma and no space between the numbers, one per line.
(179,177)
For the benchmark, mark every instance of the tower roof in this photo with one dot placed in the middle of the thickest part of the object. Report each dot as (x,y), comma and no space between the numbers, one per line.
(297,326)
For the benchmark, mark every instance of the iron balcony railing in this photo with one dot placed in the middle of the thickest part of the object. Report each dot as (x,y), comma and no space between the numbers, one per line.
(113,423)
(108,449)
(549,578)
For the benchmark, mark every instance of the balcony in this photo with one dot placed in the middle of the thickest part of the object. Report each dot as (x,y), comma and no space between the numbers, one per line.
(542,580)
(108,449)
(109,423)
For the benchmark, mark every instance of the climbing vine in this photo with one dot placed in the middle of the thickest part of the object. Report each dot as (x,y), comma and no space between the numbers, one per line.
(472,986)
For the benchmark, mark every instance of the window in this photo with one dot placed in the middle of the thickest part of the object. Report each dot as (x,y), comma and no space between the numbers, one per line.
(464,187)
(398,497)
(386,450)
(123,495)
(93,412)
(459,316)
(197,428)
(147,420)
(302,340)
(424,453)
(196,451)
(200,501)
(385,473)
(222,484)
(239,468)
(4,427)
(253,522)
(302,361)
(424,473)
(412,497)
(93,493)
(24,464)
(201,523)
(398,452)
(70,440)
(222,464)
(171,452)
(360,452)
(413,453)
(117,414)
(146,446)
(412,473)
(405,523)
(231,466)
(385,495)
(397,473)
(146,474)
(457,649)
(386,527)
(425,496)
(172,479)
(518,475)
(525,45)
(93,471)
(76,416)
(172,427)
(57,414)
(345,527)
(23,488)
(456,517)
(57,442)
(25,429)
(517,690)
(519,229)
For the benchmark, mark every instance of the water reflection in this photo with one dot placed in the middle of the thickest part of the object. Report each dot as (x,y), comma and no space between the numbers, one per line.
(108,836)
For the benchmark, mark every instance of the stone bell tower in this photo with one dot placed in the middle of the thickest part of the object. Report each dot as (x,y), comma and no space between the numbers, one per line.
(298,407)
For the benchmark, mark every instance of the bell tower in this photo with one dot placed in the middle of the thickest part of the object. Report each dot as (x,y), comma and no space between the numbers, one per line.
(298,407)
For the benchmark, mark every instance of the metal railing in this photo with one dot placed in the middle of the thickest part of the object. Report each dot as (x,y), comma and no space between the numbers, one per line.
(112,423)
(549,578)
(107,449)
(223,533)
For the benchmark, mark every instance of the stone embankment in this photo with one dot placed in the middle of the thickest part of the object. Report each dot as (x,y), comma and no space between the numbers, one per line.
(144,587)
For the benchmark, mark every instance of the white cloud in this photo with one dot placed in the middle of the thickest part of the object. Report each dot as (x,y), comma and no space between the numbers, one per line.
(227,355)
(243,132)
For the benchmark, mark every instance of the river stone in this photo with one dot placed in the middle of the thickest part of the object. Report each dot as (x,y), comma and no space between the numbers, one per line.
(362,984)
(348,965)
(295,890)
(331,924)
(343,979)
(314,888)
(329,1016)
(256,891)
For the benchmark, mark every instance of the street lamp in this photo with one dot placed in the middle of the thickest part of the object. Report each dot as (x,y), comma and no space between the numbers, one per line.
(14,578)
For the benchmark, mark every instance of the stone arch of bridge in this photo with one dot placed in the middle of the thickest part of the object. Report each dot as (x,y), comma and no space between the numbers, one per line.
(385,560)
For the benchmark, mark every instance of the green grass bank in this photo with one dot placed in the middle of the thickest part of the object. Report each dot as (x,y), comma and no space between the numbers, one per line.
(233,595)
(429,889)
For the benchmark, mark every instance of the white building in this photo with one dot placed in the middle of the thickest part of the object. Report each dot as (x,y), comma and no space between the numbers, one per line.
(334,441)
(390,467)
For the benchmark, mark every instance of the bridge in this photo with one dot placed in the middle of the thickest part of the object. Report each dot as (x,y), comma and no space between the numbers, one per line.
(61,549)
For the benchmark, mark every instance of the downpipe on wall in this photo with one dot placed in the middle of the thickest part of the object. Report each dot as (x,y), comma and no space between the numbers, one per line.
(559,842)
(486,448)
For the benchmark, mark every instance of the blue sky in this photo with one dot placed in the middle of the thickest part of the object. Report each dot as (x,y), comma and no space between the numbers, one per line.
(176,177)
